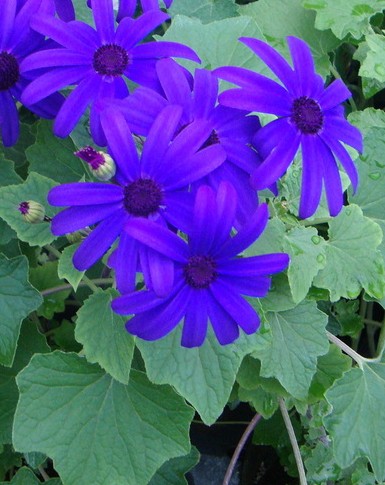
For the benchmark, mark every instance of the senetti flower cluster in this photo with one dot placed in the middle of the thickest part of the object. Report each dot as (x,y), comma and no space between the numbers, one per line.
(177,201)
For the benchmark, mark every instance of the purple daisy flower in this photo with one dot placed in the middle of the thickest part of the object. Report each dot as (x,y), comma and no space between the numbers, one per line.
(154,186)
(127,8)
(230,127)
(209,277)
(17,41)
(310,117)
(96,61)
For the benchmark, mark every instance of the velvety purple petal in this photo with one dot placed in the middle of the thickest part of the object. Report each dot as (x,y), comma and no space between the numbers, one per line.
(343,156)
(98,242)
(157,50)
(75,218)
(332,180)
(343,131)
(65,10)
(9,122)
(312,175)
(84,193)
(270,136)
(97,132)
(7,17)
(121,144)
(126,263)
(75,105)
(242,156)
(61,32)
(303,64)
(205,220)
(49,106)
(21,35)
(277,162)
(333,95)
(226,205)
(179,209)
(161,272)
(245,78)
(174,82)
(158,322)
(188,141)
(246,235)
(257,100)
(195,167)
(158,238)
(234,124)
(205,93)
(142,72)
(104,20)
(136,302)
(274,61)
(196,320)
(254,266)
(87,35)
(149,4)
(126,9)
(236,306)
(54,57)
(159,137)
(256,287)
(136,31)
(225,328)
(51,82)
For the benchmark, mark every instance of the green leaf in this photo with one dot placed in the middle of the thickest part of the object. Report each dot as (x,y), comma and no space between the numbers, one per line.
(66,267)
(17,299)
(289,348)
(25,476)
(173,471)
(307,256)
(370,86)
(217,43)
(30,342)
(45,277)
(265,403)
(273,432)
(356,423)
(8,176)
(352,261)
(290,18)
(373,65)
(343,17)
(371,166)
(112,434)
(330,367)
(16,153)
(204,10)
(104,337)
(54,157)
(203,375)
(35,188)
(9,459)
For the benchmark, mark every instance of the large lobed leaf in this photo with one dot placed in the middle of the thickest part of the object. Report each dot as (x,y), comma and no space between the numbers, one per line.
(97,430)
(17,299)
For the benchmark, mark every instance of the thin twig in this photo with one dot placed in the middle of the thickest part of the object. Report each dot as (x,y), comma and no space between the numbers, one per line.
(293,441)
(43,474)
(230,469)
(66,286)
(348,350)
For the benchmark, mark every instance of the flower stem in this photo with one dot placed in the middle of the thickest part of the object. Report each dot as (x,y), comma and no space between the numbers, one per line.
(253,423)
(293,441)
(90,283)
(345,348)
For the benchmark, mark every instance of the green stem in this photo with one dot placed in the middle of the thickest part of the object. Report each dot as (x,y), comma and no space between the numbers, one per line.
(381,342)
(253,423)
(66,286)
(293,441)
(345,348)
(43,474)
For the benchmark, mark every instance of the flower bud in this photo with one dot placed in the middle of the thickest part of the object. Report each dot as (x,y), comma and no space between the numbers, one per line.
(101,165)
(32,211)
(77,236)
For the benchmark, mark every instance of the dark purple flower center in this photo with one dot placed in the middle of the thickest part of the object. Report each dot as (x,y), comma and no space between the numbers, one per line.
(110,60)
(307,115)
(200,271)
(211,140)
(23,207)
(142,197)
(9,70)
(91,156)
